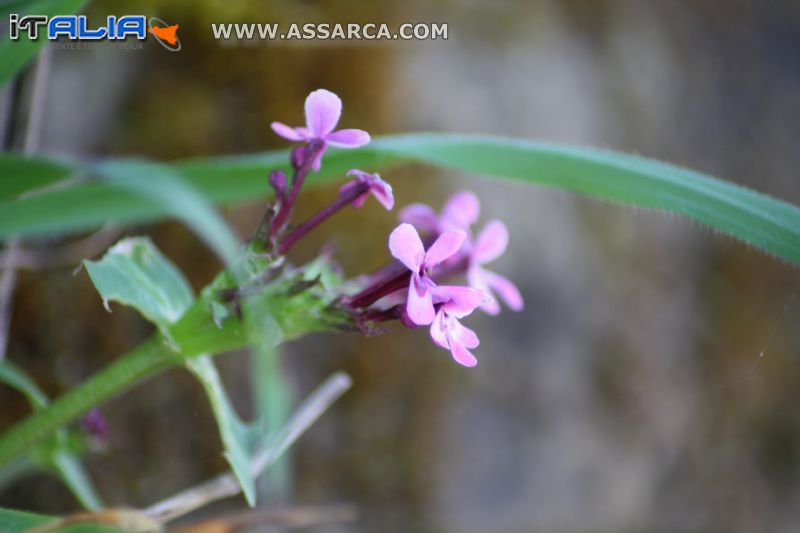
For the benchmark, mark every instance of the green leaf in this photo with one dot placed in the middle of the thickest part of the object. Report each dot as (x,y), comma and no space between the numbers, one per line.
(167,189)
(134,272)
(69,468)
(764,222)
(272,400)
(19,521)
(90,204)
(14,377)
(15,54)
(234,433)
(755,218)
(20,174)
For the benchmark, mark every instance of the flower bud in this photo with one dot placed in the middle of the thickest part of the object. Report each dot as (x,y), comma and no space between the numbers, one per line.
(277,179)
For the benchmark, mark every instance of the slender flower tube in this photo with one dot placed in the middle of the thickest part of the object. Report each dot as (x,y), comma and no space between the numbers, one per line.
(354,194)
(302,168)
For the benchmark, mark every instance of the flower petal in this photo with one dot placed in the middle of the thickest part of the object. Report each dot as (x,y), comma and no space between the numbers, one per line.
(382,192)
(491,242)
(439,330)
(422,216)
(477,279)
(348,138)
(447,245)
(462,355)
(323,109)
(459,301)
(317,163)
(287,132)
(420,305)
(463,335)
(461,210)
(360,174)
(406,246)
(506,289)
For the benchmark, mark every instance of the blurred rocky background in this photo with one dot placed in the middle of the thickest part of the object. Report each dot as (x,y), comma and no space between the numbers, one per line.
(630,395)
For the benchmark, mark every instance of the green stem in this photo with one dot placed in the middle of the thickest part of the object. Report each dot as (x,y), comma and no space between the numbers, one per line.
(143,361)
(273,400)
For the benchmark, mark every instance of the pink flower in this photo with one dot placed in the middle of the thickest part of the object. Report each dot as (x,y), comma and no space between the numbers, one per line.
(381,190)
(323,109)
(490,244)
(459,212)
(447,331)
(406,246)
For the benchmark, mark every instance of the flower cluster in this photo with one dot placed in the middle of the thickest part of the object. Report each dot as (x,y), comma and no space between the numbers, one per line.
(413,288)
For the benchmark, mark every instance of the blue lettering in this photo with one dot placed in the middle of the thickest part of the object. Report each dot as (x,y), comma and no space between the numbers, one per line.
(62,25)
(86,33)
(111,24)
(134,25)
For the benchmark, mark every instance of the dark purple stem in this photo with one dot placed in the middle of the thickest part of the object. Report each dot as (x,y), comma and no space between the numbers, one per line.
(343,201)
(301,171)
(371,294)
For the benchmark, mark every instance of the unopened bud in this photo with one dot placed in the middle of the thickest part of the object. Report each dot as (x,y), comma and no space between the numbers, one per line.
(298,156)
(277,179)
(95,424)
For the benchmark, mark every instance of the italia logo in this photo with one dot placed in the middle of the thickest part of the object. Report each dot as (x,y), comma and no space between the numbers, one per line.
(76,28)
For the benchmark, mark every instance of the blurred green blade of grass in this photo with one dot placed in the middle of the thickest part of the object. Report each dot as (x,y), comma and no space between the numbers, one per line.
(20,174)
(757,219)
(14,55)
(175,196)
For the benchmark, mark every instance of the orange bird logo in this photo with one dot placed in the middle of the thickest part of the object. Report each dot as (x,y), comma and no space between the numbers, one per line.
(167,33)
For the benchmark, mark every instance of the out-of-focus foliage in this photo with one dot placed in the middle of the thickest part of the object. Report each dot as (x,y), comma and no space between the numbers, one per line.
(15,54)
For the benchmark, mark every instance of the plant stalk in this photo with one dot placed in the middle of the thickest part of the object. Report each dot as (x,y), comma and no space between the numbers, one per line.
(142,362)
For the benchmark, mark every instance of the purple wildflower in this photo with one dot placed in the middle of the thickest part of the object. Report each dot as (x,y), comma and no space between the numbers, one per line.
(381,190)
(406,246)
(490,244)
(459,212)
(323,110)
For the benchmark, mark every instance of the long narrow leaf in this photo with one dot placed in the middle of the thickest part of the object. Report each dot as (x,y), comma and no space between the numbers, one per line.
(20,174)
(168,190)
(764,222)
